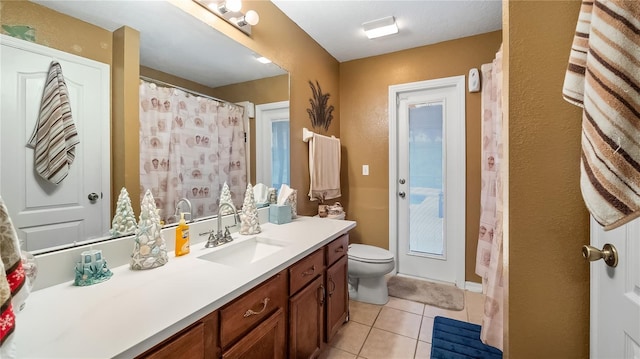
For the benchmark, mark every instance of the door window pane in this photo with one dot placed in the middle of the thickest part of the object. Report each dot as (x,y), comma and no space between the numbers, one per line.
(279,153)
(426,194)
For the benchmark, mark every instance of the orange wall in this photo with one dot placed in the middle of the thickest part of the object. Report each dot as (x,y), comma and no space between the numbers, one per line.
(364,91)
(548,281)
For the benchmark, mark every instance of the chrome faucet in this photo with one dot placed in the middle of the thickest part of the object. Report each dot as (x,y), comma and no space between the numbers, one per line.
(177,215)
(218,237)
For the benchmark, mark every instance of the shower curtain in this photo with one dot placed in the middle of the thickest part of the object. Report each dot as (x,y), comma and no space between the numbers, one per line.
(489,255)
(189,147)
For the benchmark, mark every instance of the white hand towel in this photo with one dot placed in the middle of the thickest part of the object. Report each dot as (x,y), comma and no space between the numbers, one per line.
(324,167)
(13,288)
(55,136)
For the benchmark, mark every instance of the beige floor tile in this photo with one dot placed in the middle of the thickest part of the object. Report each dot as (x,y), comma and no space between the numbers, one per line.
(426,330)
(432,312)
(406,305)
(399,322)
(363,313)
(423,351)
(351,337)
(334,353)
(475,306)
(383,344)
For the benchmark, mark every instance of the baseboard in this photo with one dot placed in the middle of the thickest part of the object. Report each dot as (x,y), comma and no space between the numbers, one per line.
(473,287)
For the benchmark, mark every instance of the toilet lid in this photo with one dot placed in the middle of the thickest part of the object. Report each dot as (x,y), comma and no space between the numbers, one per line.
(369,254)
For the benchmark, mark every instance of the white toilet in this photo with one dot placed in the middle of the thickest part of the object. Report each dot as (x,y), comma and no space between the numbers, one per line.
(367,268)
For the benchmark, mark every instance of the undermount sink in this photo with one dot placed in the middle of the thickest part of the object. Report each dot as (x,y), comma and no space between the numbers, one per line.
(248,251)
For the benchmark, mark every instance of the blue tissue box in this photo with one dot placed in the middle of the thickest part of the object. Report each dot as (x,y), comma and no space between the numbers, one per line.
(279,214)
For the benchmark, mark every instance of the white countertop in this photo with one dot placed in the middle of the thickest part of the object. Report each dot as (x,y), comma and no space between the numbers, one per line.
(135,310)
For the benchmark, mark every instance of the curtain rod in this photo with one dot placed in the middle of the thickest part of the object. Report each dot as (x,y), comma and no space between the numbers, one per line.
(158,82)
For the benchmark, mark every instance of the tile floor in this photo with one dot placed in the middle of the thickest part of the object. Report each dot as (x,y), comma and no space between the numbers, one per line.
(399,329)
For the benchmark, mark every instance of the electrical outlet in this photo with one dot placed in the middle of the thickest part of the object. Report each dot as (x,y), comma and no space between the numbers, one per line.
(365,170)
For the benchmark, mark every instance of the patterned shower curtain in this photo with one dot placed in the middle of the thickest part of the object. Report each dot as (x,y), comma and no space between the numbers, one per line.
(189,147)
(489,255)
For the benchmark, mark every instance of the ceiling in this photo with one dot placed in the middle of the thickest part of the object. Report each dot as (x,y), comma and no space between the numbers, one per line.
(337,25)
(198,52)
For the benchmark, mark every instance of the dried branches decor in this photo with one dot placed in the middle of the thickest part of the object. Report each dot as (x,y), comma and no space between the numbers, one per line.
(319,113)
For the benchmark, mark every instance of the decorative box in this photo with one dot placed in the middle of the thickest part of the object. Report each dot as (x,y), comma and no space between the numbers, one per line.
(279,213)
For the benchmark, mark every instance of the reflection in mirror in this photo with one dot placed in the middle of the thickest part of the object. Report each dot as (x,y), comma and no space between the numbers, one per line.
(209,63)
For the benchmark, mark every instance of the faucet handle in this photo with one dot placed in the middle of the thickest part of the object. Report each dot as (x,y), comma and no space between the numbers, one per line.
(227,235)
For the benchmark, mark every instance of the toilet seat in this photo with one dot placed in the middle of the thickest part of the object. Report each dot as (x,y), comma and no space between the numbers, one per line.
(369,254)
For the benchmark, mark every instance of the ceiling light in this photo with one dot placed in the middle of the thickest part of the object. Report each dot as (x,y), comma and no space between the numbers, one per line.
(263,60)
(381,27)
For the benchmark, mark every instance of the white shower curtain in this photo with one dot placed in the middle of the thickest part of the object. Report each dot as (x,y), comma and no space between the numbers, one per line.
(489,255)
(190,146)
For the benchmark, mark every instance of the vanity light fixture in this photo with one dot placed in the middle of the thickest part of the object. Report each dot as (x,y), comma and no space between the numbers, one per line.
(230,11)
(381,27)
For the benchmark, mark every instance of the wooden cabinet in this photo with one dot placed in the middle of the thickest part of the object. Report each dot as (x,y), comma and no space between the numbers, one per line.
(306,320)
(290,314)
(267,340)
(337,302)
(253,307)
(198,341)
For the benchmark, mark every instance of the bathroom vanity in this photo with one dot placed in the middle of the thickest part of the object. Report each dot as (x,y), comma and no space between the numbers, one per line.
(282,293)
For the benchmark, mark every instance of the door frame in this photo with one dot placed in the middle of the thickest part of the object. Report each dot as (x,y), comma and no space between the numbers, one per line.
(459,242)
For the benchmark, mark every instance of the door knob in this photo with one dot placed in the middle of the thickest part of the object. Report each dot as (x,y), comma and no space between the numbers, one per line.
(93,197)
(608,253)
(402,194)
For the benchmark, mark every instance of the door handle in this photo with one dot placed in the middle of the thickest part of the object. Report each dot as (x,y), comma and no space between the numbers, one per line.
(609,253)
(402,194)
(93,197)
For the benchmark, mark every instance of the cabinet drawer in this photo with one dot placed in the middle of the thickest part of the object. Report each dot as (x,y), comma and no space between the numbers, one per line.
(337,249)
(305,271)
(188,344)
(252,308)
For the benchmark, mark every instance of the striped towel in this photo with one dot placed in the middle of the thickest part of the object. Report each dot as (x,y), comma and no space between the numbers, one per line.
(55,136)
(13,288)
(603,77)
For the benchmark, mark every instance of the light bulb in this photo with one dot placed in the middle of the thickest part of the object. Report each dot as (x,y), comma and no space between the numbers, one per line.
(252,17)
(233,5)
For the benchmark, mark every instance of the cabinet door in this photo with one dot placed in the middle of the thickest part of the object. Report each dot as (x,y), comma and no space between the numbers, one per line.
(337,297)
(265,341)
(188,345)
(306,320)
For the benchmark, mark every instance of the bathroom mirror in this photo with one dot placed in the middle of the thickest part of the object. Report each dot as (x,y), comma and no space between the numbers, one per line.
(186,50)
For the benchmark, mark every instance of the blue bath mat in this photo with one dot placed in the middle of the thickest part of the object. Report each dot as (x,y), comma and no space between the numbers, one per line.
(453,339)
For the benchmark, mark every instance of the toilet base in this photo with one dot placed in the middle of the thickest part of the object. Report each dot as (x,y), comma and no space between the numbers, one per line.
(371,290)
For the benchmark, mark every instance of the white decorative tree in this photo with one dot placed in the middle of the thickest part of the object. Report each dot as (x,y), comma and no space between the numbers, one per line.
(149,250)
(225,197)
(249,223)
(124,221)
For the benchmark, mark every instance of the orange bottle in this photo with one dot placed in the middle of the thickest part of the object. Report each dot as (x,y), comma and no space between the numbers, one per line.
(182,237)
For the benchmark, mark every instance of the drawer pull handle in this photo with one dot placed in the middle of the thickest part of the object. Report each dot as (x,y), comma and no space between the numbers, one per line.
(322,295)
(340,249)
(334,286)
(310,271)
(250,312)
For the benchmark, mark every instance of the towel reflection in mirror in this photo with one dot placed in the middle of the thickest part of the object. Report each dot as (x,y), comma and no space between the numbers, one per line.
(189,146)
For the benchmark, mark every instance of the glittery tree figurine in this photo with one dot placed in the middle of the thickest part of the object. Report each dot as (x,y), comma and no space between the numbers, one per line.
(149,250)
(124,221)
(249,223)
(225,197)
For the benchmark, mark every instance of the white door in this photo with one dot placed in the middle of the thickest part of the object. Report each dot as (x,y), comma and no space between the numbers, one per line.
(427,179)
(47,215)
(272,144)
(615,294)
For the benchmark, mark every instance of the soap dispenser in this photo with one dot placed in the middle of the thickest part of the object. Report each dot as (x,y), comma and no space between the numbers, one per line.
(182,236)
